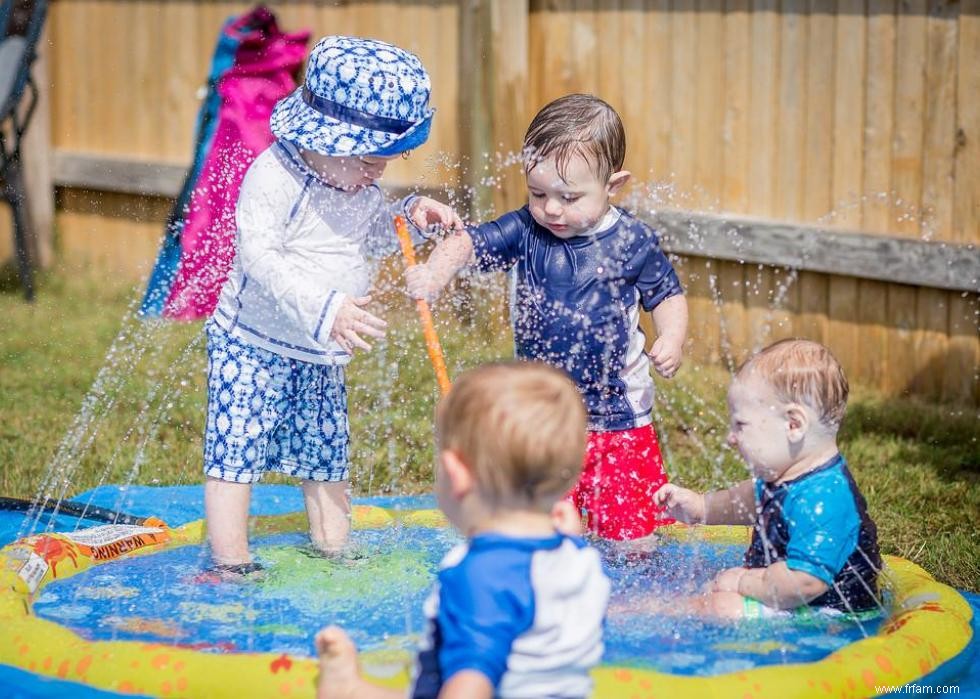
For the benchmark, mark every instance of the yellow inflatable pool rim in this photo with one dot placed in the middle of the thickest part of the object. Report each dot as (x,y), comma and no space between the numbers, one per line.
(928,627)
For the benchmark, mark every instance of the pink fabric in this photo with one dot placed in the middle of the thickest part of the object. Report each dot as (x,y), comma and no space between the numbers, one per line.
(262,74)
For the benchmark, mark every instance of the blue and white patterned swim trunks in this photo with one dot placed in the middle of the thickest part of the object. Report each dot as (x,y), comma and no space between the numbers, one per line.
(272,413)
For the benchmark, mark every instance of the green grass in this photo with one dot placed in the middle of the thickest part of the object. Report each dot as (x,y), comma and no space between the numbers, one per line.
(89,394)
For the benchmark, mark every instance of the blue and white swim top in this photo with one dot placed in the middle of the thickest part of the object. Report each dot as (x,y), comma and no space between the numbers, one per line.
(577,304)
(819,524)
(526,613)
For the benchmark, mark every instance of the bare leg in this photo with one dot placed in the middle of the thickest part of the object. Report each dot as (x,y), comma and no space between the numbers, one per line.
(328,508)
(714,605)
(720,605)
(226,511)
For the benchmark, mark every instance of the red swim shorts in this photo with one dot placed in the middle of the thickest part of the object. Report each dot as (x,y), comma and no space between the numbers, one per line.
(623,469)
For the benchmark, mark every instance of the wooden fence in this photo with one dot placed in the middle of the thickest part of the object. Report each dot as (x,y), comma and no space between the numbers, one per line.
(848,125)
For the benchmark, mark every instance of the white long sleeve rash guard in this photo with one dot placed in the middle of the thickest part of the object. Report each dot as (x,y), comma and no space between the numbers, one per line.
(302,247)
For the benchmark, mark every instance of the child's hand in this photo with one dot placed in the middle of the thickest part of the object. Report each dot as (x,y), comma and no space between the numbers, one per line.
(421,283)
(667,353)
(728,580)
(339,674)
(567,519)
(352,321)
(427,211)
(680,503)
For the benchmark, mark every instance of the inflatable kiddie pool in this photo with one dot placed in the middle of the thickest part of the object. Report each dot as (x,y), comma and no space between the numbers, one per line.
(925,635)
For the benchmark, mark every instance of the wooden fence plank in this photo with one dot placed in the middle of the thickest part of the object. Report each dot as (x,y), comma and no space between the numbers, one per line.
(816,290)
(143,67)
(910,56)
(629,85)
(446,87)
(900,318)
(704,329)
(553,33)
(510,36)
(759,292)
(790,159)
(878,116)
(763,98)
(128,228)
(961,379)
(784,284)
(873,351)
(36,156)
(788,182)
(966,195)
(708,116)
(940,119)
(849,112)
(842,324)
(931,344)
(658,86)
(881,336)
(735,128)
(476,104)
(584,52)
(814,298)
(734,341)
(683,103)
(821,65)
(186,72)
(608,69)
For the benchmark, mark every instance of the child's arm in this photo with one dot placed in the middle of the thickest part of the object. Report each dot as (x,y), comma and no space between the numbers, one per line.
(736,505)
(776,586)
(467,684)
(420,212)
(426,281)
(340,677)
(670,319)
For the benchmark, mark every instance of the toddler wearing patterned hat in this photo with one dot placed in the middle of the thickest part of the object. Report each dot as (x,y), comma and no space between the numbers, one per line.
(293,310)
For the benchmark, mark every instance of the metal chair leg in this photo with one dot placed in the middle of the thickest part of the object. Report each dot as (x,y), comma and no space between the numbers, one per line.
(17,196)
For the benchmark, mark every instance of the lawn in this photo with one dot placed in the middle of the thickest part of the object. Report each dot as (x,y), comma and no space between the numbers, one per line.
(91,394)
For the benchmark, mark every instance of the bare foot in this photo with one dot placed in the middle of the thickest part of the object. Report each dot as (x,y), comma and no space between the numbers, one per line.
(339,674)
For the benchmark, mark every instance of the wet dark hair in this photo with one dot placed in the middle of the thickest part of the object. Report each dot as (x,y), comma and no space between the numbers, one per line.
(577,124)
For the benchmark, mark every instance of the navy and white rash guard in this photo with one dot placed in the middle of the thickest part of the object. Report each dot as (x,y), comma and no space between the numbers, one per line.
(577,304)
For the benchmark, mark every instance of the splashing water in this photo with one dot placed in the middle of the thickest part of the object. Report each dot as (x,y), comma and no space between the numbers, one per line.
(378,597)
(392,395)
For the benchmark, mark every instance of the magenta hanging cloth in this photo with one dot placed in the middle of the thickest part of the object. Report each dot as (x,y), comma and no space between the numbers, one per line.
(262,74)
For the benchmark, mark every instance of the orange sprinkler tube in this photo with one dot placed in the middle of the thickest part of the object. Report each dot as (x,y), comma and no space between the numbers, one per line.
(428,329)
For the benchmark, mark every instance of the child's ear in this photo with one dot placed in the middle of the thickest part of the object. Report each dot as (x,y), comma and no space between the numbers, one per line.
(458,474)
(617,181)
(797,423)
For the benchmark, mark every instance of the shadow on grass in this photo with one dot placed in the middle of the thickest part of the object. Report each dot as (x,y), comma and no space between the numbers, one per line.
(945,439)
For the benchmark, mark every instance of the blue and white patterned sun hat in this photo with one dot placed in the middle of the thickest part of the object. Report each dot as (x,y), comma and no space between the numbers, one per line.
(361,97)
